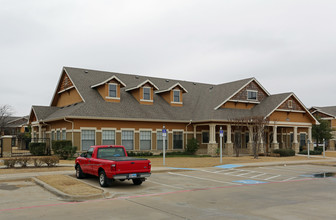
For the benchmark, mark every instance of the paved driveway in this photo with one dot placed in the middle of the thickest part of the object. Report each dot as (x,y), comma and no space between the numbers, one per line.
(276,192)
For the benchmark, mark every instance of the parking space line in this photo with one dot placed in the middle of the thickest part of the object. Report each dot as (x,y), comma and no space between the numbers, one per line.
(246,173)
(237,171)
(176,187)
(207,179)
(289,179)
(272,177)
(258,175)
(282,169)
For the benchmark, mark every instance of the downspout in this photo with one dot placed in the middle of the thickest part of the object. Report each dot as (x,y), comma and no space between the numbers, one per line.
(72,130)
(187,131)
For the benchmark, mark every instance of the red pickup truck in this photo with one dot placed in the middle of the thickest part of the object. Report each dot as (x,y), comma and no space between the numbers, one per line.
(111,163)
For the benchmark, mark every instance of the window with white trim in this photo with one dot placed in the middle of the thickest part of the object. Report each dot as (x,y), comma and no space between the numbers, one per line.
(145,140)
(177,140)
(146,93)
(127,139)
(63,135)
(252,95)
(290,104)
(88,139)
(159,140)
(58,135)
(205,137)
(302,139)
(176,94)
(108,137)
(112,90)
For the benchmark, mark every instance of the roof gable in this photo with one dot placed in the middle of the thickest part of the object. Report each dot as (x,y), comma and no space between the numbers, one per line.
(108,80)
(142,84)
(172,87)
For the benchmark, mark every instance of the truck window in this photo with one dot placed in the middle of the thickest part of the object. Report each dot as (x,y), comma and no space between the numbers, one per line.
(89,153)
(110,152)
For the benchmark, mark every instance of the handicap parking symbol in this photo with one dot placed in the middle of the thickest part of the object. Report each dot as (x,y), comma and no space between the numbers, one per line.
(248,181)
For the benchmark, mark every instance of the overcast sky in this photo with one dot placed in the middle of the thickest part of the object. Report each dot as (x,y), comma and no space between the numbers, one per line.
(288,45)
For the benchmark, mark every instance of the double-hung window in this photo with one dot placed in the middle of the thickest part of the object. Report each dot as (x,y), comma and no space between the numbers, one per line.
(58,135)
(145,140)
(177,140)
(146,93)
(205,137)
(108,137)
(88,139)
(63,135)
(159,141)
(252,95)
(112,90)
(176,95)
(127,139)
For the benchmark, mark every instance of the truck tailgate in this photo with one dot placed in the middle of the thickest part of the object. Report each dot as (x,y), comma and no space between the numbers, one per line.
(132,165)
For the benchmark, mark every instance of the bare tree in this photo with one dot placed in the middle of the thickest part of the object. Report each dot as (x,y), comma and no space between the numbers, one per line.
(5,112)
(258,124)
(238,125)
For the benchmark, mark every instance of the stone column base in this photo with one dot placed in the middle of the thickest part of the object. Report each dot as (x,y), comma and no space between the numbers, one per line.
(275,146)
(212,149)
(228,150)
(332,144)
(250,148)
(296,147)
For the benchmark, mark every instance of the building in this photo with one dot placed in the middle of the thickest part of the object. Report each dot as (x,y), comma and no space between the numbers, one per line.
(327,113)
(92,107)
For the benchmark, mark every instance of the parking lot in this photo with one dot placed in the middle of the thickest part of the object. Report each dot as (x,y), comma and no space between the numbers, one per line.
(277,192)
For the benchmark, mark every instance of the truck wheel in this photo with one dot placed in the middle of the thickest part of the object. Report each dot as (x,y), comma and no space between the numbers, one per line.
(79,172)
(103,180)
(137,181)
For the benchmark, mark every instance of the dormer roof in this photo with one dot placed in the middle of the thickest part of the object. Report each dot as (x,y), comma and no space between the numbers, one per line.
(143,83)
(107,80)
(172,87)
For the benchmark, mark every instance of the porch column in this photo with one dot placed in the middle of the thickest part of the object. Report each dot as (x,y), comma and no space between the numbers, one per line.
(40,133)
(250,143)
(212,146)
(311,144)
(275,144)
(296,145)
(32,134)
(228,145)
(195,131)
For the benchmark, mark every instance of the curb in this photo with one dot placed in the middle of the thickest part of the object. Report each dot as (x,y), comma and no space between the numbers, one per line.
(68,196)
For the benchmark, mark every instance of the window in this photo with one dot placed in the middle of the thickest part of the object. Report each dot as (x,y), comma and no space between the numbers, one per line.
(146,93)
(302,140)
(159,141)
(177,140)
(109,152)
(145,140)
(112,90)
(127,139)
(108,137)
(89,153)
(176,95)
(88,139)
(58,135)
(290,104)
(205,137)
(252,95)
(63,134)
(247,139)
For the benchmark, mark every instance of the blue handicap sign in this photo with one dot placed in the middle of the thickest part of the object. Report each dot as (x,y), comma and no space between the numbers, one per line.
(164,131)
(248,181)
(229,166)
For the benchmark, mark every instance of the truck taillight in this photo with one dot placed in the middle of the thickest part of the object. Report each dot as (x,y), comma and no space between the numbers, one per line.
(149,164)
(113,167)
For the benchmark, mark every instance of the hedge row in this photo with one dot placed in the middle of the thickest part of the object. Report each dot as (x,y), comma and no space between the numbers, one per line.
(50,161)
(284,152)
(143,153)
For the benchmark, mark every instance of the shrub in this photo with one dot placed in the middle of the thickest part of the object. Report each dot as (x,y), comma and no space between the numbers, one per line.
(37,162)
(50,161)
(38,149)
(284,152)
(23,161)
(192,146)
(142,153)
(64,149)
(10,162)
(311,152)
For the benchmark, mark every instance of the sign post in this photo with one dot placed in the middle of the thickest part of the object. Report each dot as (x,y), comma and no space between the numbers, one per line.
(221,134)
(323,148)
(308,149)
(164,134)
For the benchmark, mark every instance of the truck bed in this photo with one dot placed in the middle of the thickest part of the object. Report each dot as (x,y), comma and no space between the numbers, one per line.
(122,158)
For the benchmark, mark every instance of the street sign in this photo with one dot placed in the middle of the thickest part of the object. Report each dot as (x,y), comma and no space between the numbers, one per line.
(164,132)
(221,133)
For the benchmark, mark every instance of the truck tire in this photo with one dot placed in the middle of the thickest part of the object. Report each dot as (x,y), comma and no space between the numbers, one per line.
(79,172)
(103,180)
(137,181)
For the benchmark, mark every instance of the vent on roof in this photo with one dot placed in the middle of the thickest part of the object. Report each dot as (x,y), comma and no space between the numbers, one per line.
(137,77)
(167,80)
(85,71)
(194,83)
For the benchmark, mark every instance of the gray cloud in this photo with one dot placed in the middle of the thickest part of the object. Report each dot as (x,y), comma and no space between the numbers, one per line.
(287,45)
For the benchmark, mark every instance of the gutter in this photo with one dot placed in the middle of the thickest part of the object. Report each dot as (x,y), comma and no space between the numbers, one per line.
(72,130)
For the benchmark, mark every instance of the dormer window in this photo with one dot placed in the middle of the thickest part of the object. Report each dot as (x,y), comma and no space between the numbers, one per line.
(252,95)
(146,93)
(176,96)
(112,90)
